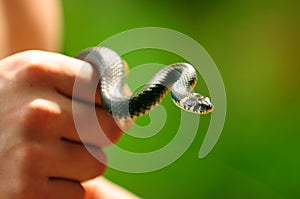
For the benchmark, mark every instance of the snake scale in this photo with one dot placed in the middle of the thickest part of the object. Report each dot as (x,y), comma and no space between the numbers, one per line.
(179,78)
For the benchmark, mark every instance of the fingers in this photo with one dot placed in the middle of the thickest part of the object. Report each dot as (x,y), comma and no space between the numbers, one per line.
(56,116)
(43,145)
(59,72)
(67,155)
(94,125)
(31,171)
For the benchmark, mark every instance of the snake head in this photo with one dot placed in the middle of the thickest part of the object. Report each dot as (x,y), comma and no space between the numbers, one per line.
(197,103)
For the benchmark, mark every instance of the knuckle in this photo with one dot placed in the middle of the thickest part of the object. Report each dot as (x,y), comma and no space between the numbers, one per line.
(30,54)
(41,109)
(34,66)
(39,115)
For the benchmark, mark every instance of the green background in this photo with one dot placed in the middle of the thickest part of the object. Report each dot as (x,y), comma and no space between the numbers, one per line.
(256,46)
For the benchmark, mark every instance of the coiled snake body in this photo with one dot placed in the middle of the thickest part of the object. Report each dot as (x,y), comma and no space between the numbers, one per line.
(180,78)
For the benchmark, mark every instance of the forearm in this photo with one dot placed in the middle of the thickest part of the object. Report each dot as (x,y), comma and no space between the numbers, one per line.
(31,24)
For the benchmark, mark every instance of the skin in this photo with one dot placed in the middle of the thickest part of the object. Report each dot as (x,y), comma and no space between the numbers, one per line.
(41,154)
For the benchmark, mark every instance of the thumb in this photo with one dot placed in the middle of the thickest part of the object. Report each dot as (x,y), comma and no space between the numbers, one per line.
(101,188)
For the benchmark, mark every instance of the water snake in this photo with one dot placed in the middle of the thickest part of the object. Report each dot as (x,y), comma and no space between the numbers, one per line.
(179,78)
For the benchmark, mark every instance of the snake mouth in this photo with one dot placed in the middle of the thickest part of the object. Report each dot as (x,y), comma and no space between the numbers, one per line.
(208,109)
(196,103)
(202,110)
(207,106)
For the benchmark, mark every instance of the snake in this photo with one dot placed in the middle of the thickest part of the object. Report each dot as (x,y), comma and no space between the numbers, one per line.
(179,79)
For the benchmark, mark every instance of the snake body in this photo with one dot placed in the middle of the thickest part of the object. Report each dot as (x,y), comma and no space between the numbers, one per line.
(179,78)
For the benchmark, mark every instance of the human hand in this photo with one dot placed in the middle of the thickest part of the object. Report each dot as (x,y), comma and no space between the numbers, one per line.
(41,154)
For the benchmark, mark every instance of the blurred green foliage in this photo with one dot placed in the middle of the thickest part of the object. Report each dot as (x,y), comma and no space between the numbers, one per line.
(256,45)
